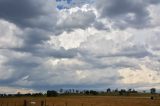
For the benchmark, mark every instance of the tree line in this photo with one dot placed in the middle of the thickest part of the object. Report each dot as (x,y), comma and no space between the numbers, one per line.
(70,92)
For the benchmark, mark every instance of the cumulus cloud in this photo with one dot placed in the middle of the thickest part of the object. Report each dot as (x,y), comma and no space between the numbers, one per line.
(30,13)
(10,35)
(124,13)
(43,48)
(142,76)
(79,19)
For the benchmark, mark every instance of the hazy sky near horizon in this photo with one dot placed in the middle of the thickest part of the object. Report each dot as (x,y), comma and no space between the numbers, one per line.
(94,44)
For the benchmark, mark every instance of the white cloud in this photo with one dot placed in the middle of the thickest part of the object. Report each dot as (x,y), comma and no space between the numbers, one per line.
(75,18)
(12,90)
(106,42)
(10,35)
(154,14)
(69,40)
(139,76)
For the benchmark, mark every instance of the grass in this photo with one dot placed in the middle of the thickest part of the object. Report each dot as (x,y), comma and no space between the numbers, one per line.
(82,101)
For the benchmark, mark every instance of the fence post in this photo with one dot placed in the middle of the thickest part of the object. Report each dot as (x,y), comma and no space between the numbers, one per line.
(45,102)
(25,103)
(66,104)
(42,103)
(82,104)
(2,104)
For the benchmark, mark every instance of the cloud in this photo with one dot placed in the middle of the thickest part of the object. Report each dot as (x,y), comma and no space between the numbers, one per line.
(79,19)
(11,90)
(142,76)
(124,13)
(48,48)
(7,34)
(28,13)
(153,1)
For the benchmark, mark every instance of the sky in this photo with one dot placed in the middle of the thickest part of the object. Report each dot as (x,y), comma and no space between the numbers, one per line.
(86,44)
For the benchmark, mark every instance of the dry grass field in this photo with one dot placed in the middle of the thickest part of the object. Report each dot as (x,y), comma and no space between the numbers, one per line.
(82,101)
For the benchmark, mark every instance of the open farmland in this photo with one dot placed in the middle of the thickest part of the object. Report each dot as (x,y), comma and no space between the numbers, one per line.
(81,101)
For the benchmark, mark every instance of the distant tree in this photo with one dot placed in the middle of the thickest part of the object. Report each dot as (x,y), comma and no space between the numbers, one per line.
(129,90)
(116,90)
(122,92)
(70,90)
(87,92)
(144,91)
(61,90)
(153,90)
(18,94)
(4,95)
(77,91)
(92,92)
(52,93)
(37,94)
(108,90)
(134,91)
(28,94)
(1,95)
(73,91)
(66,92)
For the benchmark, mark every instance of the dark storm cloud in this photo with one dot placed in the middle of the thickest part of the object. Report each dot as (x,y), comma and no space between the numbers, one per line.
(46,87)
(43,15)
(125,13)
(61,53)
(116,8)
(35,36)
(23,64)
(48,52)
(19,11)
(133,52)
(114,61)
(153,1)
